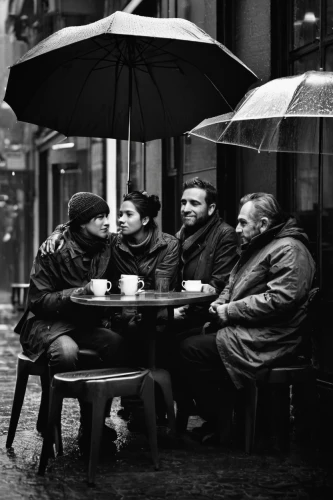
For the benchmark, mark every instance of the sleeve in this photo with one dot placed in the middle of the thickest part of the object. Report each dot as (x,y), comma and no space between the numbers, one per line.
(289,283)
(46,298)
(168,265)
(224,260)
(224,296)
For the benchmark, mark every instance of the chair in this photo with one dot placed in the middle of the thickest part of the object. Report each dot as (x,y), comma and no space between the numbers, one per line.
(288,376)
(97,387)
(25,367)
(300,373)
(19,295)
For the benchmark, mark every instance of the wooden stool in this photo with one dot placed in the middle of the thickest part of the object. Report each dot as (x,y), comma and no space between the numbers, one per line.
(97,387)
(19,295)
(26,367)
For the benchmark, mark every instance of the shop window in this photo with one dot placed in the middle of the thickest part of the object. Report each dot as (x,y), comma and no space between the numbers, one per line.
(306,22)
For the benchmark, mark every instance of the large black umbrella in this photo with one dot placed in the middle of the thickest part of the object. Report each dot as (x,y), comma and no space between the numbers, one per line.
(126,77)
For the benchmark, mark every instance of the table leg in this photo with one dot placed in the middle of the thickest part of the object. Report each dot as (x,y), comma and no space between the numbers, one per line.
(161,377)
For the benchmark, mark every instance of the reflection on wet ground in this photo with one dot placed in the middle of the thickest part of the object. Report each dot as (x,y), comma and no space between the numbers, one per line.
(189,471)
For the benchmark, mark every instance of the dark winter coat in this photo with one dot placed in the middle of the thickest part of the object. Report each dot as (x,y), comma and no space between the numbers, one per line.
(53,279)
(211,255)
(267,297)
(160,257)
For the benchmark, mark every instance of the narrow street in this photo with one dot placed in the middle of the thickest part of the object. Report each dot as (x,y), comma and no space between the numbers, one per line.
(190,471)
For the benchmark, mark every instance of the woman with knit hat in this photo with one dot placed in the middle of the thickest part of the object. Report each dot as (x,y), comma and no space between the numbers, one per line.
(53,328)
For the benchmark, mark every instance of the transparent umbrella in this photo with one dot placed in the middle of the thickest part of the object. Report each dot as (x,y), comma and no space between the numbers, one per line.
(291,114)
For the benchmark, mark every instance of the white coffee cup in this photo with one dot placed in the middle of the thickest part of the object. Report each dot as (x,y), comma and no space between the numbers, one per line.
(100,287)
(192,285)
(129,284)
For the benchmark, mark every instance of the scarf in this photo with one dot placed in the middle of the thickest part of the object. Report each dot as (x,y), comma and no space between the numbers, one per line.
(140,247)
(188,242)
(91,245)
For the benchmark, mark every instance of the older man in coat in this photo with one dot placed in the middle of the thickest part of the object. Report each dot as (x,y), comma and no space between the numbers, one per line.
(256,319)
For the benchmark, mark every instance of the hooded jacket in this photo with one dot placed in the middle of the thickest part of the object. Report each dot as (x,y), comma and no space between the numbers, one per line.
(267,297)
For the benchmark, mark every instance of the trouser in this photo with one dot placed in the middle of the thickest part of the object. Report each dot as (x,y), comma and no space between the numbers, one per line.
(62,355)
(202,377)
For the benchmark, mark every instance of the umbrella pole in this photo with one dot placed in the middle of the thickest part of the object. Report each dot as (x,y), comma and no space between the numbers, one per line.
(320,206)
(129,132)
(129,152)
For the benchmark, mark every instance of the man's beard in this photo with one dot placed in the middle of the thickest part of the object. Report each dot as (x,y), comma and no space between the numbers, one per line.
(192,228)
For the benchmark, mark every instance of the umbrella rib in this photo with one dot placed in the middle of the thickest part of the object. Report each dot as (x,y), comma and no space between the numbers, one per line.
(140,107)
(193,65)
(159,93)
(78,97)
(118,71)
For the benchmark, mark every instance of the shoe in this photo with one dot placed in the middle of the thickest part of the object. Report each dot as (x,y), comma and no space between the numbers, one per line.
(109,435)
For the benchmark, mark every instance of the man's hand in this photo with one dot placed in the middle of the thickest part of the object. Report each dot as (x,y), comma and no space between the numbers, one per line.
(212,308)
(222,315)
(208,289)
(52,244)
(180,312)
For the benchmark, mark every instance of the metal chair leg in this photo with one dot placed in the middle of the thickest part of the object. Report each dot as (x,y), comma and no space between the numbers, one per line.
(51,435)
(98,413)
(251,414)
(20,388)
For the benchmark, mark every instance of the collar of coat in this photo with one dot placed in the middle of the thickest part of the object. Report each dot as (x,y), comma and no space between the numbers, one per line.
(188,242)
(157,240)
(74,248)
(286,229)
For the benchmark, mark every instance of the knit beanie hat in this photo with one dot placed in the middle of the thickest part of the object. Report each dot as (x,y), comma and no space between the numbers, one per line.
(82,207)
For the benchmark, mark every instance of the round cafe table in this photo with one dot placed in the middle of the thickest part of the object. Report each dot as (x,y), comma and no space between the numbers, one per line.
(149,302)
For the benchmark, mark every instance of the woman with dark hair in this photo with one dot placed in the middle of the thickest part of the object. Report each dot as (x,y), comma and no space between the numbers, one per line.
(140,247)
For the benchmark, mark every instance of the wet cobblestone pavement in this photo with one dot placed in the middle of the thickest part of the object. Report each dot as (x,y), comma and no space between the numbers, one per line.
(191,471)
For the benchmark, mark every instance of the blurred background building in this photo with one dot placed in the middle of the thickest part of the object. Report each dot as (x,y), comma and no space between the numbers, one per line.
(39,173)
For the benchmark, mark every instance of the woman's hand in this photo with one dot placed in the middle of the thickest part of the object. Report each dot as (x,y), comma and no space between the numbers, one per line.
(180,312)
(88,289)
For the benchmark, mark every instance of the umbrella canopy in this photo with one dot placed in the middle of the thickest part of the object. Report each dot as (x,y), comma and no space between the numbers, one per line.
(158,76)
(292,114)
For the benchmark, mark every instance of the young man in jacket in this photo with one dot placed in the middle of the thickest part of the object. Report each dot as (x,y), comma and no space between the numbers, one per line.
(208,248)
(256,319)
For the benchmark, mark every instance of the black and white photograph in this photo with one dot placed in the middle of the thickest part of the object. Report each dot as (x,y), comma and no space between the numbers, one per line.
(166,249)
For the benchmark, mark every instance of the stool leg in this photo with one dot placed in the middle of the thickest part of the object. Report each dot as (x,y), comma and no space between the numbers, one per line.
(163,379)
(20,388)
(44,403)
(250,415)
(53,420)
(147,396)
(98,414)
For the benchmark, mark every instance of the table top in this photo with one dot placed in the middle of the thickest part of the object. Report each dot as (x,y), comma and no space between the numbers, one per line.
(144,299)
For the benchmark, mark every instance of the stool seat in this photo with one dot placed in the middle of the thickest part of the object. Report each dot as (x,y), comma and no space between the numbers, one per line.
(97,387)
